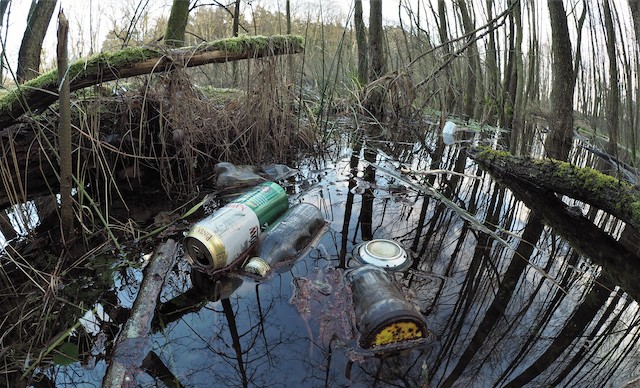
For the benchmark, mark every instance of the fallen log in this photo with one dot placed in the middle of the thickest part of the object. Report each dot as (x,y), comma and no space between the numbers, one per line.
(39,93)
(620,264)
(134,343)
(602,191)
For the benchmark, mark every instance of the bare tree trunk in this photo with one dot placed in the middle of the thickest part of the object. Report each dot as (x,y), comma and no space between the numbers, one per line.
(559,142)
(376,41)
(235,27)
(361,41)
(377,67)
(613,100)
(492,71)
(517,121)
(290,72)
(472,69)
(4,4)
(64,131)
(634,5)
(447,100)
(177,23)
(508,91)
(29,55)
(533,76)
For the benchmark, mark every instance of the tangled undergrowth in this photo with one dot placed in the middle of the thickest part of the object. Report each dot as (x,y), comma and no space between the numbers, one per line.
(136,146)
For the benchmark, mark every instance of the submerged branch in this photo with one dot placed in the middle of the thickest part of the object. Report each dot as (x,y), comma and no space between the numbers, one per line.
(134,343)
(39,93)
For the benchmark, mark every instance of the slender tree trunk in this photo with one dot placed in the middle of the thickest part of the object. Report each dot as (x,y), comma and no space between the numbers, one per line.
(492,71)
(634,5)
(177,23)
(64,131)
(377,66)
(235,28)
(361,41)
(290,71)
(376,41)
(613,100)
(560,140)
(4,4)
(443,32)
(472,69)
(29,55)
(533,80)
(508,90)
(517,123)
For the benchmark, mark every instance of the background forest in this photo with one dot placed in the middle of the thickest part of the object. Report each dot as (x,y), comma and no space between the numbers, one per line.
(488,62)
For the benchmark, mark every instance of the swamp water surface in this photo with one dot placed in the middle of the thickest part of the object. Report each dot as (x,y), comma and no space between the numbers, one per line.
(515,289)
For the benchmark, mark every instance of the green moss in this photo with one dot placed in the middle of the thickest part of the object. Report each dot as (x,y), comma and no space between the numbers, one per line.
(49,80)
(243,43)
(589,179)
(635,211)
(130,55)
(490,153)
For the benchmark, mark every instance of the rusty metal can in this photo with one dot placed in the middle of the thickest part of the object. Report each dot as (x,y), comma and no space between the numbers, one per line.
(225,236)
(383,314)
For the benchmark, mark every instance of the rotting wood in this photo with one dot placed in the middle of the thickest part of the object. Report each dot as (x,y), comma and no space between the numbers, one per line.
(134,343)
(41,92)
(602,191)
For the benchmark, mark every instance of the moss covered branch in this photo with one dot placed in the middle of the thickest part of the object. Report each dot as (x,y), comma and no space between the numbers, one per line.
(602,191)
(43,91)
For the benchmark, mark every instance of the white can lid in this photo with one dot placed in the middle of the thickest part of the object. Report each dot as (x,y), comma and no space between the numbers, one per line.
(382,253)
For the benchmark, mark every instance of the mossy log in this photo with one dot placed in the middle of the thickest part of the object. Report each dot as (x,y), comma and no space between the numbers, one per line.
(602,191)
(39,93)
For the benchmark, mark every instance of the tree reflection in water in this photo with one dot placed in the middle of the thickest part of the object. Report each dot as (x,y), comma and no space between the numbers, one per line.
(529,293)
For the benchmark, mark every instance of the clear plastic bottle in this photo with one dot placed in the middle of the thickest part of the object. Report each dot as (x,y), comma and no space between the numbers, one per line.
(283,242)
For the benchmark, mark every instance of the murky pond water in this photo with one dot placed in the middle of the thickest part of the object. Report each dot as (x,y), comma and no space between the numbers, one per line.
(515,290)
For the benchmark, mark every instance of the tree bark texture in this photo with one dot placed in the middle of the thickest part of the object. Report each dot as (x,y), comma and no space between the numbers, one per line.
(634,5)
(602,191)
(29,55)
(375,103)
(133,345)
(472,58)
(560,139)
(613,100)
(64,131)
(234,31)
(41,92)
(361,41)
(177,23)
(4,4)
